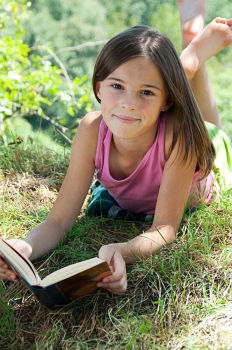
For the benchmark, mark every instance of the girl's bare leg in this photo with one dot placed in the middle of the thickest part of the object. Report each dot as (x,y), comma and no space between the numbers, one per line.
(192,14)
(214,37)
(203,93)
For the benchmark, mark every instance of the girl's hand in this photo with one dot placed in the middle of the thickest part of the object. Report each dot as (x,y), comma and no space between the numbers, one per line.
(117,282)
(6,273)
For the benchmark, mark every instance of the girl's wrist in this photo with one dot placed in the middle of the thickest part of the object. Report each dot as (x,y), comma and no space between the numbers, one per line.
(124,248)
(119,247)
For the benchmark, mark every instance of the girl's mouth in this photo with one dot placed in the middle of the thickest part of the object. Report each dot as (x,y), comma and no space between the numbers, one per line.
(126,119)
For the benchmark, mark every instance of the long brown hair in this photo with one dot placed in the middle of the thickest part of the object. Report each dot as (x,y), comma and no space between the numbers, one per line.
(188,122)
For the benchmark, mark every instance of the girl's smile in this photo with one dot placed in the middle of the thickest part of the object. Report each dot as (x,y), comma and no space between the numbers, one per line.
(126,119)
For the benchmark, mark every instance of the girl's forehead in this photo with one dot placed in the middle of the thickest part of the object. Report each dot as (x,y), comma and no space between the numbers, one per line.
(138,61)
(141,67)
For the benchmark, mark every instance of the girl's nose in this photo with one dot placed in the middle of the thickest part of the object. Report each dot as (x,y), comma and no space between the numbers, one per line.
(128,102)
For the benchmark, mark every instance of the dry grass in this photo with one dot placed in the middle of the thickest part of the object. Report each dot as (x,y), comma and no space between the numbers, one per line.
(214,332)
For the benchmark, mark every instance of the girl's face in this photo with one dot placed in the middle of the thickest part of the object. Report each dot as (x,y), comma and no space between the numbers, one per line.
(132,97)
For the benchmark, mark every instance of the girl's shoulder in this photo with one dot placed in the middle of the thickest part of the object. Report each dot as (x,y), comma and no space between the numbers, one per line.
(89,124)
(87,132)
(91,120)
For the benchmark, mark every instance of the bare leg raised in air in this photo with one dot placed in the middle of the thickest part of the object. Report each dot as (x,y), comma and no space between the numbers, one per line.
(212,39)
(192,14)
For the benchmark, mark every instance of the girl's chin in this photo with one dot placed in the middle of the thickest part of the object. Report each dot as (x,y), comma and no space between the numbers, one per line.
(124,134)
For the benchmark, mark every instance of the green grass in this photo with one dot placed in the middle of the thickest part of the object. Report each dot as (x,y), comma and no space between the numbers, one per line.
(168,295)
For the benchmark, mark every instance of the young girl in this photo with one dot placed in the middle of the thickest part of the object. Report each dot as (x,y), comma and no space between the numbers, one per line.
(148,145)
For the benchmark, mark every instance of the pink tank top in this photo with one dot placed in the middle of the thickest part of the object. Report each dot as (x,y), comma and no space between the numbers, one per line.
(139,191)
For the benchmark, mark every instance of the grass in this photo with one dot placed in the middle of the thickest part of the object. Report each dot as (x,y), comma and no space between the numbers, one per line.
(178,299)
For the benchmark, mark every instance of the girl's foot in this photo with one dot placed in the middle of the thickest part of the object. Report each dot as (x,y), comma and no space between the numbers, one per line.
(192,18)
(212,39)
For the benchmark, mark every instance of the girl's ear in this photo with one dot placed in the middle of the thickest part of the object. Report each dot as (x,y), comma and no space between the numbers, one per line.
(98,89)
(166,107)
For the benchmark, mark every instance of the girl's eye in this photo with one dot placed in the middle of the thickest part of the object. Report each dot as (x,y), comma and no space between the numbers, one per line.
(147,93)
(116,86)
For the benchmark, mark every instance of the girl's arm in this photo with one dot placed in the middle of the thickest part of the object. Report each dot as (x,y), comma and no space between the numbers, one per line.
(70,199)
(173,194)
(73,191)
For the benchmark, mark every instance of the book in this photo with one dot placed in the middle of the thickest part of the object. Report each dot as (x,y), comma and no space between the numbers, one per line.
(62,286)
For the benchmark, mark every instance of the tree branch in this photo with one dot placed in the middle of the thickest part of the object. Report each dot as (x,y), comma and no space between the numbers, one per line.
(84,45)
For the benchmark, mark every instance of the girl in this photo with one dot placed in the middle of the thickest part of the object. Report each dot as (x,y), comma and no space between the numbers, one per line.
(148,145)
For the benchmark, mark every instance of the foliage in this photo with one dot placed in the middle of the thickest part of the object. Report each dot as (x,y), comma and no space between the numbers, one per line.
(23,80)
(216,8)
(221,81)
(70,24)
(166,20)
(29,83)
(12,12)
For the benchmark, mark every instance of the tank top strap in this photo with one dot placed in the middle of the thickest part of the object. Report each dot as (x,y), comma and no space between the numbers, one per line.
(102,133)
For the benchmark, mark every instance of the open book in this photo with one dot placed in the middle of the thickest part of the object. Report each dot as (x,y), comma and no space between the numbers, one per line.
(62,286)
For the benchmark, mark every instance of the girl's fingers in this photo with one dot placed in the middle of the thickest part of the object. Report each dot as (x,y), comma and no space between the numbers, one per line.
(6,273)
(119,268)
(4,276)
(3,264)
(11,276)
(117,287)
(113,278)
(117,282)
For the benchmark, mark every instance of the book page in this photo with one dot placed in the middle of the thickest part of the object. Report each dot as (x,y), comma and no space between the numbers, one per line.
(70,271)
(23,267)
